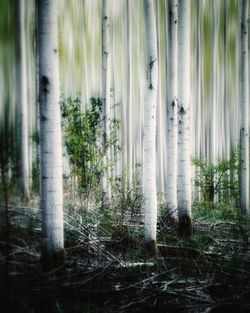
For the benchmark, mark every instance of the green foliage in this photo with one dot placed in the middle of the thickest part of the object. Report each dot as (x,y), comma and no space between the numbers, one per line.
(84,141)
(35,176)
(123,218)
(244,228)
(7,27)
(82,130)
(35,137)
(8,152)
(130,242)
(8,155)
(206,210)
(220,180)
(127,202)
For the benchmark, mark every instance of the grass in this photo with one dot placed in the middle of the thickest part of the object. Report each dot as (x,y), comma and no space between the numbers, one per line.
(211,270)
(215,212)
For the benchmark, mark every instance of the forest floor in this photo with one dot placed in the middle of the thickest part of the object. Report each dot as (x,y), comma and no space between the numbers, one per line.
(112,272)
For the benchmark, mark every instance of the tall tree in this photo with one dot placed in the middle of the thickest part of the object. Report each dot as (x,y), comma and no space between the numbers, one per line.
(184,179)
(214,84)
(149,138)
(106,84)
(22,99)
(129,95)
(196,133)
(51,198)
(244,103)
(172,104)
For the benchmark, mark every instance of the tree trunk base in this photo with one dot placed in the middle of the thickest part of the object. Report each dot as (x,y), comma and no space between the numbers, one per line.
(52,260)
(151,247)
(185,227)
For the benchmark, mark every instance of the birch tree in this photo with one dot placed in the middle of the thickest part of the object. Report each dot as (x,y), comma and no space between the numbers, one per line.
(172,110)
(184,179)
(244,103)
(149,138)
(129,96)
(106,84)
(22,99)
(51,198)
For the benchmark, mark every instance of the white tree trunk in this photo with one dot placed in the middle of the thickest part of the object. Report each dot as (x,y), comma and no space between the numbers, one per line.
(184,179)
(149,136)
(22,98)
(106,84)
(214,135)
(50,125)
(244,100)
(129,97)
(197,120)
(172,110)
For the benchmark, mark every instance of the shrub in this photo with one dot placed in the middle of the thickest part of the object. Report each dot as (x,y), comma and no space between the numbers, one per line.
(218,181)
(82,130)
(84,141)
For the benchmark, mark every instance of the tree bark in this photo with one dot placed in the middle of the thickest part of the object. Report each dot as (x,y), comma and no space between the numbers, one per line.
(51,198)
(149,138)
(172,102)
(184,179)
(244,102)
(129,97)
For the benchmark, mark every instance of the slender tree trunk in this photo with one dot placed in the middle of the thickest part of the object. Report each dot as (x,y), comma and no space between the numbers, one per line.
(51,201)
(213,122)
(172,110)
(160,131)
(22,99)
(244,101)
(214,83)
(149,138)
(184,179)
(106,84)
(197,116)
(129,98)
(37,88)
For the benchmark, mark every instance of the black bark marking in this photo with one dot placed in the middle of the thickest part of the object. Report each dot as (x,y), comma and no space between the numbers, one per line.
(182,111)
(151,64)
(45,84)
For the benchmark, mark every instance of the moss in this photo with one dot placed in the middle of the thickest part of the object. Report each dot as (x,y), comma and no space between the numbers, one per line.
(185,227)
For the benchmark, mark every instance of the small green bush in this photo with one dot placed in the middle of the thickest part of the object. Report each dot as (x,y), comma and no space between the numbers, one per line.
(218,182)
(82,130)
(83,137)
(215,211)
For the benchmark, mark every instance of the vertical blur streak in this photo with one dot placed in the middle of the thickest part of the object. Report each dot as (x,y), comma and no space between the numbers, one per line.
(22,94)
(214,72)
